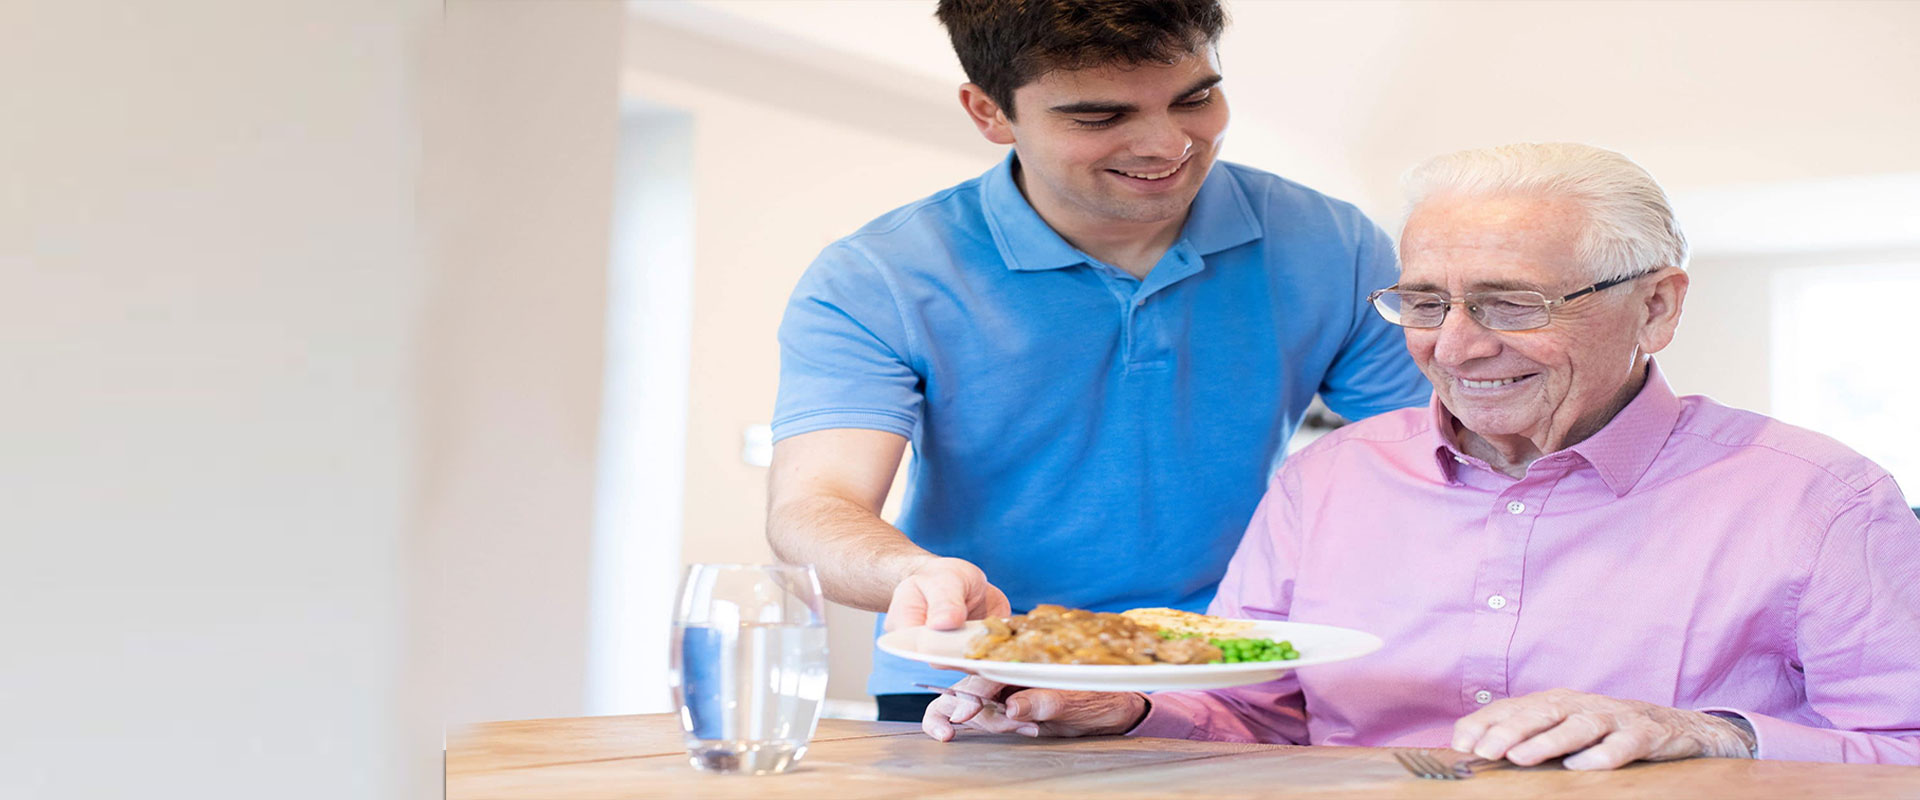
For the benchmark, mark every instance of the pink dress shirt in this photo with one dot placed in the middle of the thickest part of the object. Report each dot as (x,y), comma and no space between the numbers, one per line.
(1688,554)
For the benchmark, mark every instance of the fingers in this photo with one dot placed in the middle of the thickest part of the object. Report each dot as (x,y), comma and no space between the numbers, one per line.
(1468,729)
(947,714)
(946,599)
(1578,731)
(1619,748)
(936,722)
(1491,731)
(908,606)
(943,594)
(1599,732)
(1521,726)
(996,605)
(1034,705)
(1051,712)
(968,704)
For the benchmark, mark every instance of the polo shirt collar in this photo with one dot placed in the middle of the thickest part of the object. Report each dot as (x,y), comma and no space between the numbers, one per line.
(1221,218)
(1025,241)
(1620,452)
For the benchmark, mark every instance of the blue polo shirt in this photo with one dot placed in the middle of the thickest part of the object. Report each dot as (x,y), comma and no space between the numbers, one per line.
(1085,437)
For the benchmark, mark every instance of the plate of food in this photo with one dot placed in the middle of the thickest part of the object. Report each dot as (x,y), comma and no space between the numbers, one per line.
(1143,650)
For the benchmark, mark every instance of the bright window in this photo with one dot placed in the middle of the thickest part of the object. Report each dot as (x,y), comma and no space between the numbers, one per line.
(1846,359)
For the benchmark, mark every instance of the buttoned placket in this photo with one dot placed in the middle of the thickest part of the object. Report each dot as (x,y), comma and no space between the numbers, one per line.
(1499,584)
(1141,337)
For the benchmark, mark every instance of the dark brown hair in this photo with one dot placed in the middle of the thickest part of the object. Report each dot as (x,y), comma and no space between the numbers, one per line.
(1005,44)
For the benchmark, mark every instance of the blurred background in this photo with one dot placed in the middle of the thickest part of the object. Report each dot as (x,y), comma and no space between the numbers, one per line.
(373,366)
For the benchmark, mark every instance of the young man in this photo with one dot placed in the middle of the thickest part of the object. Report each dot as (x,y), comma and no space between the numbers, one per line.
(1098,349)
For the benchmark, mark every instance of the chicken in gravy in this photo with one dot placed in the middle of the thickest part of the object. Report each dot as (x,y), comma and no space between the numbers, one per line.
(1051,634)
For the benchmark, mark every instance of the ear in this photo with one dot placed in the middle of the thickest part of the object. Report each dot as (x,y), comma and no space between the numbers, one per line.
(986,114)
(1662,309)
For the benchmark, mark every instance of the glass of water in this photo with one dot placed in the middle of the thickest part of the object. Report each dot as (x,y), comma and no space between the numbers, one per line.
(749,665)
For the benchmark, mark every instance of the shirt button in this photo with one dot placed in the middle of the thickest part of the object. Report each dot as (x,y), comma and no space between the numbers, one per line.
(1516,507)
(1496,603)
(1483,697)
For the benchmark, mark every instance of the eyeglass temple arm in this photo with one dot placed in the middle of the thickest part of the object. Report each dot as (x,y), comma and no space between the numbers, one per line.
(1597,287)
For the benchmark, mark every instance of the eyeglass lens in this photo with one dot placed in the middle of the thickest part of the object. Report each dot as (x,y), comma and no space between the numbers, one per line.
(1501,311)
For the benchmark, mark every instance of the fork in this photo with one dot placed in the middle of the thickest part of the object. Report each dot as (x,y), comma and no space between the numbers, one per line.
(985,702)
(1425,765)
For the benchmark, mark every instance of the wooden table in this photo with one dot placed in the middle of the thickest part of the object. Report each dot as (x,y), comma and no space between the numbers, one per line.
(642,757)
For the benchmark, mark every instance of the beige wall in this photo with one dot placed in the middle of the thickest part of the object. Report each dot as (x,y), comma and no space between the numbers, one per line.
(210,283)
(1702,93)
(1722,347)
(521,153)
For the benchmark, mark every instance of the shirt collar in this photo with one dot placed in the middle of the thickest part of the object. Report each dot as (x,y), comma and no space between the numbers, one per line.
(1221,218)
(1620,452)
(1446,458)
(1025,241)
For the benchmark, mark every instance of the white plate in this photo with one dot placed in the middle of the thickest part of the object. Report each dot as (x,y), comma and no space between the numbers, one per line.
(1317,644)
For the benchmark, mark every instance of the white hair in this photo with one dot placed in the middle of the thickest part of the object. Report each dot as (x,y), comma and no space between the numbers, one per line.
(1630,226)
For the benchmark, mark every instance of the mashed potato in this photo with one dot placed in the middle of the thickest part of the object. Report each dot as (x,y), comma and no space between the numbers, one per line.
(1177,621)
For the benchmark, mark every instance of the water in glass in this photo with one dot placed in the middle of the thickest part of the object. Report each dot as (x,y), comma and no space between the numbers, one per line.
(749,666)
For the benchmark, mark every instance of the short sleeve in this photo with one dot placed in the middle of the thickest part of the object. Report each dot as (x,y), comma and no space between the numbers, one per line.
(845,352)
(1372,374)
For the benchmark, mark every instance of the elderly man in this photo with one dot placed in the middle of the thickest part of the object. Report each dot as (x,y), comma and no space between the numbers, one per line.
(1564,557)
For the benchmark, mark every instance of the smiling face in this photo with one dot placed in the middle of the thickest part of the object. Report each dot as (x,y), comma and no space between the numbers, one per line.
(1527,393)
(1108,149)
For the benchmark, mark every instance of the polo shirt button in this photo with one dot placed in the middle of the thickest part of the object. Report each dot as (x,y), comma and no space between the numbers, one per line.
(1516,507)
(1483,697)
(1496,602)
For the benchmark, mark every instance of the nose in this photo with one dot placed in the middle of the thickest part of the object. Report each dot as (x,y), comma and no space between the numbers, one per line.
(1462,340)
(1164,139)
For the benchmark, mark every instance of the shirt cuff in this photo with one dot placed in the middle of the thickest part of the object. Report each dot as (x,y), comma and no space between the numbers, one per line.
(1779,740)
(1169,716)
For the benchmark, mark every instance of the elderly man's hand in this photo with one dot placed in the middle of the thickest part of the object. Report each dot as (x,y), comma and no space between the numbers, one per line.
(1032,712)
(943,593)
(1600,732)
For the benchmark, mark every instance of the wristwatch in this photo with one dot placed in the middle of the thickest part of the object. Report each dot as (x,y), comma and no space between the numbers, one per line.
(1747,736)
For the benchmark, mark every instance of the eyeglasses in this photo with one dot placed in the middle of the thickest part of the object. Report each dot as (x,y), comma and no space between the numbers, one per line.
(1505,310)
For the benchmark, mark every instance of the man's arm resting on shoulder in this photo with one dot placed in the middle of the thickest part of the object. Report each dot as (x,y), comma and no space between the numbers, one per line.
(825,491)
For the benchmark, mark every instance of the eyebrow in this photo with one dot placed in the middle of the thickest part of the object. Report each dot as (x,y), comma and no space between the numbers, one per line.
(1110,107)
(1484,286)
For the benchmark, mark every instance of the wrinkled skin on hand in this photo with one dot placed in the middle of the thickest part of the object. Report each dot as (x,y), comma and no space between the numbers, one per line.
(1032,712)
(1599,732)
(944,593)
